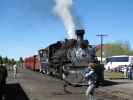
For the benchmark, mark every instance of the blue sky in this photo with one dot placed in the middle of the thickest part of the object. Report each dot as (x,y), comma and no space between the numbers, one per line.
(28,25)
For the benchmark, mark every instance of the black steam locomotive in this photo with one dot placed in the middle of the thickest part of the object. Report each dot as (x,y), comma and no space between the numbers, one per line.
(70,57)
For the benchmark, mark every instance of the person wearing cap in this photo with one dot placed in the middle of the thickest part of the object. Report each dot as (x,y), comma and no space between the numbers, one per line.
(90,76)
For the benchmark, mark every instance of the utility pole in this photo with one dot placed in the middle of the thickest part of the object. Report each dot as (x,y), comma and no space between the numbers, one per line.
(101,37)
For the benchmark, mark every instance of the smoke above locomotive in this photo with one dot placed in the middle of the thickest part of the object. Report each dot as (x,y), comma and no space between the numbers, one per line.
(63,9)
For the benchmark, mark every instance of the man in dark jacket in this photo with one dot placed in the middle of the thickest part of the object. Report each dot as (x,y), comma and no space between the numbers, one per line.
(3,76)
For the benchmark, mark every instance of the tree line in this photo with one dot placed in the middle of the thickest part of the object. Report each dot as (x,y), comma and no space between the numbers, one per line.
(115,48)
(9,61)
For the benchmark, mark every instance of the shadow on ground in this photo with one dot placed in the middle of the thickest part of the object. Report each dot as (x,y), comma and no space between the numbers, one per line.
(110,82)
(15,92)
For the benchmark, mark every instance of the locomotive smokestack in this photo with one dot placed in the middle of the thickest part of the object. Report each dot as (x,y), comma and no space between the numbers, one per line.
(80,35)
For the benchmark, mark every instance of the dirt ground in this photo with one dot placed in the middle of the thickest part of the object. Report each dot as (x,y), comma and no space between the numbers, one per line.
(31,85)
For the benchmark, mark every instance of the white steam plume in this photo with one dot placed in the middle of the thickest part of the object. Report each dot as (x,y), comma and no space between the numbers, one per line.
(63,10)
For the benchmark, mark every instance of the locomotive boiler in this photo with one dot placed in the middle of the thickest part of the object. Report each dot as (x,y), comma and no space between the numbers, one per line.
(70,56)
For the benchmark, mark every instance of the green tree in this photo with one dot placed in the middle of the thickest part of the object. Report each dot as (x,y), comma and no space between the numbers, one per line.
(116,48)
(5,60)
(1,60)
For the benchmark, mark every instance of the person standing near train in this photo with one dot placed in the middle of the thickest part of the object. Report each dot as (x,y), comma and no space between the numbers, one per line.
(14,70)
(90,76)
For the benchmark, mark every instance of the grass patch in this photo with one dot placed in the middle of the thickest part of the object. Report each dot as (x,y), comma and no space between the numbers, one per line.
(113,75)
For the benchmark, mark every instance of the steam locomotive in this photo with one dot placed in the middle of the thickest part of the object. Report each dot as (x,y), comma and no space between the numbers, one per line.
(68,58)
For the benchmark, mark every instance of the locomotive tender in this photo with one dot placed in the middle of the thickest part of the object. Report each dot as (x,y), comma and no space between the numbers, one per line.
(70,56)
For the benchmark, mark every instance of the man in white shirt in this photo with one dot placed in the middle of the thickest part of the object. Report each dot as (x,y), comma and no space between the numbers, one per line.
(125,69)
(14,70)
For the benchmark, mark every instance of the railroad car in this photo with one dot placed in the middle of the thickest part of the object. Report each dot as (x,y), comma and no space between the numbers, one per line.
(32,63)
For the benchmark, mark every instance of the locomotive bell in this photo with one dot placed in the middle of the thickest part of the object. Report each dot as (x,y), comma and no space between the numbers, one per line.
(80,35)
